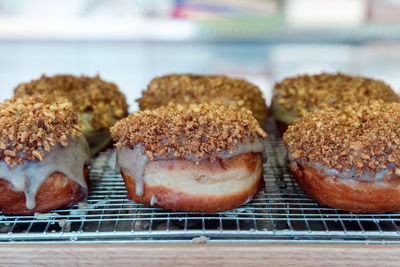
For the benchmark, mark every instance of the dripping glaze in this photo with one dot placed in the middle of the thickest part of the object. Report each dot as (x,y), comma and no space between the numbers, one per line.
(69,160)
(348,173)
(133,162)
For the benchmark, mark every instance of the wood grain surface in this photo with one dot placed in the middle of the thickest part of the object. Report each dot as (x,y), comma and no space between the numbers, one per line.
(195,255)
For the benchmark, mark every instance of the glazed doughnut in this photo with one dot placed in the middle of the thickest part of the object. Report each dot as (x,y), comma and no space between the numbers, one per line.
(198,89)
(197,158)
(295,96)
(99,104)
(43,156)
(349,158)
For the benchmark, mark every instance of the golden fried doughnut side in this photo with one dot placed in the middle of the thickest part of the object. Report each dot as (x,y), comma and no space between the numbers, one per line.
(354,196)
(57,191)
(183,185)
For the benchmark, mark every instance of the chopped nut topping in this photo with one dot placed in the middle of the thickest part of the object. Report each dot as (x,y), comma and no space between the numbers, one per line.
(311,92)
(198,89)
(199,130)
(32,125)
(364,137)
(88,95)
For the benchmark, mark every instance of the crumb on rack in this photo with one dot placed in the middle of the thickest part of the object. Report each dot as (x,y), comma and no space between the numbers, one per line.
(364,137)
(310,92)
(199,130)
(200,240)
(45,216)
(64,225)
(31,126)
(198,89)
(88,95)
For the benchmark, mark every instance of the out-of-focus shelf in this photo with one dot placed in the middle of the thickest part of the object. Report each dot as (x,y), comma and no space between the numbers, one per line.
(368,33)
(164,30)
(96,29)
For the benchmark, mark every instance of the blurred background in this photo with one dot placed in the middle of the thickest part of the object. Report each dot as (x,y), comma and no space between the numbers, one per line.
(131,41)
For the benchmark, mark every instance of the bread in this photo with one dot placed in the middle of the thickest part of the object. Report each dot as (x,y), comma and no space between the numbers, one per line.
(349,158)
(43,156)
(203,158)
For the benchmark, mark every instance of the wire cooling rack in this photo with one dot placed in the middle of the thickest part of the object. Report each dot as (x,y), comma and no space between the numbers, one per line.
(281,213)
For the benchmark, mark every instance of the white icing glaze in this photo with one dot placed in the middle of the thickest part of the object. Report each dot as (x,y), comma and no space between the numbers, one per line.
(153,200)
(69,160)
(249,198)
(133,161)
(349,173)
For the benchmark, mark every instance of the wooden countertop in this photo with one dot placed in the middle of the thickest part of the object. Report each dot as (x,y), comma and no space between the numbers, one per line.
(194,255)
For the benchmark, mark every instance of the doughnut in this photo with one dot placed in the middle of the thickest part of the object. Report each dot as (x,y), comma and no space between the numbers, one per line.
(295,96)
(99,104)
(194,158)
(349,158)
(198,89)
(43,156)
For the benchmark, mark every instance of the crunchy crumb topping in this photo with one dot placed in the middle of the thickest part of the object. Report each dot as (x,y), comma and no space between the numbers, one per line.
(31,126)
(198,89)
(309,92)
(88,95)
(199,130)
(364,137)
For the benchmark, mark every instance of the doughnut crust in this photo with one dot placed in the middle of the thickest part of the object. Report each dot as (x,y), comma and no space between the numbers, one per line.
(57,191)
(349,195)
(183,185)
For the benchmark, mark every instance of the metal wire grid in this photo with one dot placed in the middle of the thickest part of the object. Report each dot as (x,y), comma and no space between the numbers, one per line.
(281,213)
